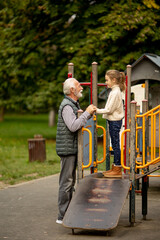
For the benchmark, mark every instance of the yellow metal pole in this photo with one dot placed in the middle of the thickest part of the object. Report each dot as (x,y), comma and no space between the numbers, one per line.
(159,132)
(137,150)
(104,145)
(137,133)
(122,143)
(153,175)
(152,136)
(156,160)
(143,135)
(90,148)
(150,112)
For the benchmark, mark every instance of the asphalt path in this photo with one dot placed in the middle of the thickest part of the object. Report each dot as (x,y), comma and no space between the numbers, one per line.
(28,211)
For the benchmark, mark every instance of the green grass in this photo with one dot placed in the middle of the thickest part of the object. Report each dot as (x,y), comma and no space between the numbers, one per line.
(14,155)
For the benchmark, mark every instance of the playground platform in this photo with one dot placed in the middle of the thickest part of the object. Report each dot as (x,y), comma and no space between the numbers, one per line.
(29,210)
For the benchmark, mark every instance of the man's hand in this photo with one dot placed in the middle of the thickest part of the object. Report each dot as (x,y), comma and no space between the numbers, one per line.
(91,109)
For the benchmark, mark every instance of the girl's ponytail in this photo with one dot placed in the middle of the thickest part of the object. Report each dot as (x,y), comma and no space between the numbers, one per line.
(122,84)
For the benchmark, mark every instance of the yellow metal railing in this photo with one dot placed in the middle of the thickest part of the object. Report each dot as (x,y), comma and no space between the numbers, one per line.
(122,150)
(153,113)
(104,145)
(90,148)
(137,128)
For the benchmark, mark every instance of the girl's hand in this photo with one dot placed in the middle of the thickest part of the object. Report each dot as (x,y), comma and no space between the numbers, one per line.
(91,109)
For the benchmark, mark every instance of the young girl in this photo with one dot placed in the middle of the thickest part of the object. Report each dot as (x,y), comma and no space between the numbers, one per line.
(114,113)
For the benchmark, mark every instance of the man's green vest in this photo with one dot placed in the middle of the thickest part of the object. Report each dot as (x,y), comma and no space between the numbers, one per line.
(66,141)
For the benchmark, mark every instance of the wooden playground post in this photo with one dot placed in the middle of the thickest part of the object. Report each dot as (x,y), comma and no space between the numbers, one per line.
(145,179)
(132,162)
(138,144)
(94,100)
(129,69)
(80,151)
(94,82)
(144,110)
(107,147)
(71,69)
(147,90)
(138,132)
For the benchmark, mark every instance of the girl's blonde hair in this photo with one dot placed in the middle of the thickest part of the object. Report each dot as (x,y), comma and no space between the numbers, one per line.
(119,76)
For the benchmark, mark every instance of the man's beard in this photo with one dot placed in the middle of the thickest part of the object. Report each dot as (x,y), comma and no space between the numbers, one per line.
(79,94)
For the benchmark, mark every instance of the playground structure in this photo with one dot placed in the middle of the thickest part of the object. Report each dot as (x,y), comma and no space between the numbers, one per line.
(137,157)
(91,127)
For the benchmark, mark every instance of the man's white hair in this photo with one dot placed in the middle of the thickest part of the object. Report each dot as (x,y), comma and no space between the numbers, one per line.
(68,84)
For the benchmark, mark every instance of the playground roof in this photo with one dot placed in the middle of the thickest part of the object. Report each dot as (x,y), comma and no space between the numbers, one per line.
(153,57)
(147,67)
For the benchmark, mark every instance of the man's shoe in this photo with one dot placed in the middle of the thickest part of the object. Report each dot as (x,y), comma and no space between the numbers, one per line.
(115,173)
(59,221)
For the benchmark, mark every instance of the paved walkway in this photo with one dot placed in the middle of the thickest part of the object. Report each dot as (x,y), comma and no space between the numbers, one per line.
(28,211)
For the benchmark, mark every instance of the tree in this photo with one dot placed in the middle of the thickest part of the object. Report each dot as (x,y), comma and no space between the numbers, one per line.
(116,34)
(27,56)
(39,38)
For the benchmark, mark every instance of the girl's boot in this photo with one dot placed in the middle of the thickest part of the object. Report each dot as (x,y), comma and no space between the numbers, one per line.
(109,170)
(116,172)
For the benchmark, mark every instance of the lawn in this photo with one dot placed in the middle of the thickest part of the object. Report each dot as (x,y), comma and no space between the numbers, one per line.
(14,155)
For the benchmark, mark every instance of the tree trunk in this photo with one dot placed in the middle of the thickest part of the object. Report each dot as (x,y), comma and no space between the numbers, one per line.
(52,117)
(1,114)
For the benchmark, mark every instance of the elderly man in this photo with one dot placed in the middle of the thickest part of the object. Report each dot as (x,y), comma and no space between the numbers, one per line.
(66,140)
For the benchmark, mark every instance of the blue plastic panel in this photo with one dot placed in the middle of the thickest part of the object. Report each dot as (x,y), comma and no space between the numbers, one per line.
(89,125)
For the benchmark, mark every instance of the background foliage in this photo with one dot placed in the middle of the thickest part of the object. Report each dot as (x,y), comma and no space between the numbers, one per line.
(40,37)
